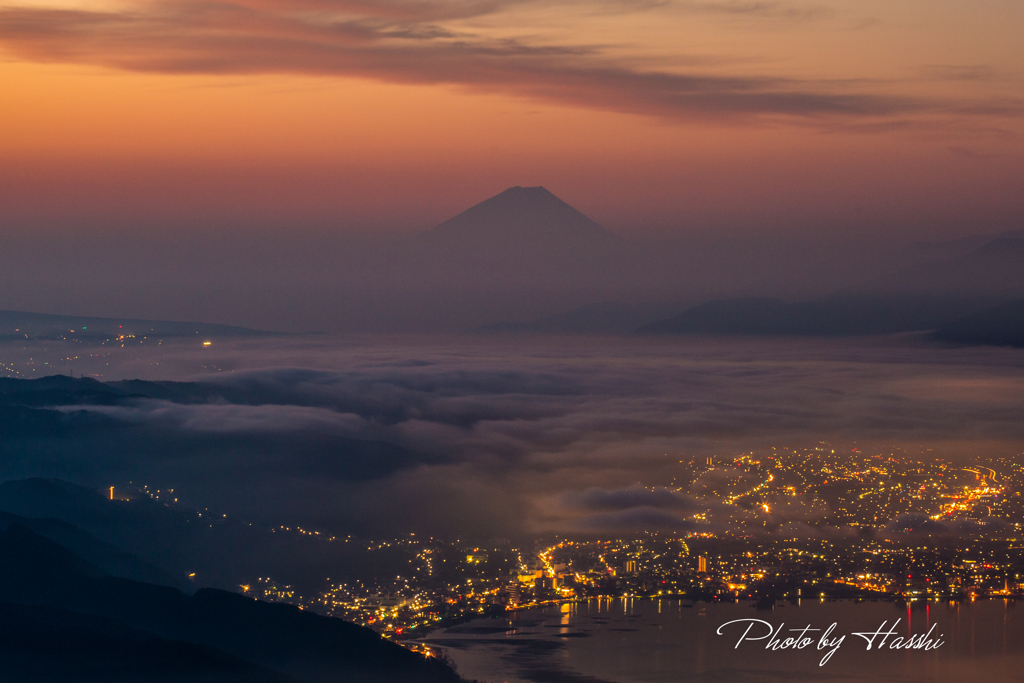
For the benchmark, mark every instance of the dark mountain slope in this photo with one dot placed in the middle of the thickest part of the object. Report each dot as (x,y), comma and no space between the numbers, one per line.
(37,572)
(52,645)
(222,552)
(105,556)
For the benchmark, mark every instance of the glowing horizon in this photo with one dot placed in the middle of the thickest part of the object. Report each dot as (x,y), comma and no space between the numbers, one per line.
(678,117)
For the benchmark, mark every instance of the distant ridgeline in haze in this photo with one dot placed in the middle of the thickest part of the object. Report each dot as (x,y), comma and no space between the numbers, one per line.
(527,235)
(532,240)
(20,325)
(956,319)
(526,261)
(998,326)
(953,285)
(961,320)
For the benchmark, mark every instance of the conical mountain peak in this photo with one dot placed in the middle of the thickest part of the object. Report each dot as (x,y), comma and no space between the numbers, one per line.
(521,214)
(520,193)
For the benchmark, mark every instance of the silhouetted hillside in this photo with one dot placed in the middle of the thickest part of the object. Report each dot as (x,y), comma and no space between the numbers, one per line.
(41,644)
(998,326)
(106,556)
(59,390)
(220,552)
(210,634)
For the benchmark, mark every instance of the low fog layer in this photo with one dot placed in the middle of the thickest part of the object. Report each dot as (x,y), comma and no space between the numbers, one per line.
(483,438)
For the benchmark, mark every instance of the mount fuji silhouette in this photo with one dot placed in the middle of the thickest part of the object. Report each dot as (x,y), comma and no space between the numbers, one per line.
(521,230)
(526,215)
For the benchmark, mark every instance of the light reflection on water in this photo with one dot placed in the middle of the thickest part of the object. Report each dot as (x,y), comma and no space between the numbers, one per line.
(626,640)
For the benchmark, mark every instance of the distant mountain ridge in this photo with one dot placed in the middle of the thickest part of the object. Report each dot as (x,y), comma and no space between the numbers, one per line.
(994,268)
(606,317)
(997,326)
(945,250)
(848,315)
(525,260)
(21,324)
(966,320)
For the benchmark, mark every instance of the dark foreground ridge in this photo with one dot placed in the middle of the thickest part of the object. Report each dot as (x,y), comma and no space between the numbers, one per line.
(63,618)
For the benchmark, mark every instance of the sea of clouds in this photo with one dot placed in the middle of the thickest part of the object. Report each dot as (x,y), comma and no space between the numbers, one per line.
(479,436)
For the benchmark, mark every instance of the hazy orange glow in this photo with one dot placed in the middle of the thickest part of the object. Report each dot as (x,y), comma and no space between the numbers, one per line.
(392,115)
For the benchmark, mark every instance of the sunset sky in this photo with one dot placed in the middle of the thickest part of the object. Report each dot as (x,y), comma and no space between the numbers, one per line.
(652,117)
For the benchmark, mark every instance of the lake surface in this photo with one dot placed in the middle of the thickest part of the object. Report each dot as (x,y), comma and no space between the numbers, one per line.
(657,641)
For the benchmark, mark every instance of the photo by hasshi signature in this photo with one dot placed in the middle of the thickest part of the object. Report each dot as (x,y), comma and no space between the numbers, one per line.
(828,640)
